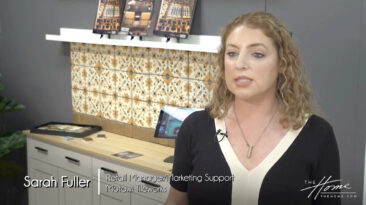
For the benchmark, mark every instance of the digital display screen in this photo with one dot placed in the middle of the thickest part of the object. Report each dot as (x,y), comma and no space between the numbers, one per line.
(170,121)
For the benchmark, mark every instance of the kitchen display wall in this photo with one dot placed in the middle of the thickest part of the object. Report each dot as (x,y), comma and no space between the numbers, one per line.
(127,86)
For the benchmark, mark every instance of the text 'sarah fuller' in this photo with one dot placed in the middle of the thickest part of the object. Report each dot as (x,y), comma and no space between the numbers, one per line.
(65,181)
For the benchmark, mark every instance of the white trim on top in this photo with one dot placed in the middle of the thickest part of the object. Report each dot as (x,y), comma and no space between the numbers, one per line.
(200,43)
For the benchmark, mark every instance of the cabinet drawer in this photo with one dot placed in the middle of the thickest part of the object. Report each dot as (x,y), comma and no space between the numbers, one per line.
(41,151)
(150,185)
(153,186)
(75,162)
(110,195)
(110,171)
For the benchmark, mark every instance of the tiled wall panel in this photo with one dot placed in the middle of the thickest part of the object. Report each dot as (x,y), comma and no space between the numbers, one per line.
(131,85)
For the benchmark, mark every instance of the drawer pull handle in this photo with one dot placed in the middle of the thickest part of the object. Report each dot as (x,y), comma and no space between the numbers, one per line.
(73,160)
(108,170)
(149,183)
(41,150)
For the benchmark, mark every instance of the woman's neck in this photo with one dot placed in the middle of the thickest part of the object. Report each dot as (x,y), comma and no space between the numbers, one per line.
(255,110)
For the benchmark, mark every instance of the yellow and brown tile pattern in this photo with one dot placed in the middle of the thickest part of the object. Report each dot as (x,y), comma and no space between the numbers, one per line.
(130,84)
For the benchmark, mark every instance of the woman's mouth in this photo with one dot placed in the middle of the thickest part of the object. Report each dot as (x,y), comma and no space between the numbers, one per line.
(243,81)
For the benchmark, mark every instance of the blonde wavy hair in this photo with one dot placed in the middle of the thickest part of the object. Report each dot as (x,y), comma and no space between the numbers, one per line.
(293,94)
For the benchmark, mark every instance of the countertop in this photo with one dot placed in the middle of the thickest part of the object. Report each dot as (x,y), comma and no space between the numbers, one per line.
(104,148)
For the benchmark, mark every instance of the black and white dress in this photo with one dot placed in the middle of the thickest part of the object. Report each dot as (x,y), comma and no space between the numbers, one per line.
(303,158)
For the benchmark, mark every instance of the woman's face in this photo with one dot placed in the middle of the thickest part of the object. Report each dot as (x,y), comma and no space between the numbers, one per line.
(251,64)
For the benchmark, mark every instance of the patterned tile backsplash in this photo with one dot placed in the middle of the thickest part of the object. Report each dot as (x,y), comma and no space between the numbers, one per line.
(130,84)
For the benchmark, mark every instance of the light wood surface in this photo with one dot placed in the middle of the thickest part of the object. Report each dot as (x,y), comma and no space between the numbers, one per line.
(104,148)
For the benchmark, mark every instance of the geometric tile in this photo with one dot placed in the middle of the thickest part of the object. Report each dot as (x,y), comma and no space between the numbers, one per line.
(107,106)
(92,105)
(77,51)
(141,113)
(178,92)
(158,89)
(214,65)
(108,80)
(91,55)
(132,84)
(84,108)
(178,63)
(77,80)
(199,65)
(167,76)
(93,79)
(214,59)
(123,110)
(78,100)
(106,56)
(140,59)
(131,71)
(123,84)
(209,82)
(123,57)
(158,60)
(199,95)
(141,87)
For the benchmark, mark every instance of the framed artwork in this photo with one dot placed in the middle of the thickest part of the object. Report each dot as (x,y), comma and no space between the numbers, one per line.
(66,129)
(175,18)
(108,18)
(137,17)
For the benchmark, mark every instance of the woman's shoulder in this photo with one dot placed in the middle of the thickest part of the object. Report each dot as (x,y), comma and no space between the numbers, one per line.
(197,119)
(318,123)
(319,129)
(199,116)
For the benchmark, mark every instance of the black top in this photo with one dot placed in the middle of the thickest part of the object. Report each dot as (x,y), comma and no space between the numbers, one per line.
(312,156)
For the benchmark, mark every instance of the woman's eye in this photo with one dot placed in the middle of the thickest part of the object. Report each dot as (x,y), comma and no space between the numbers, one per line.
(231,53)
(258,55)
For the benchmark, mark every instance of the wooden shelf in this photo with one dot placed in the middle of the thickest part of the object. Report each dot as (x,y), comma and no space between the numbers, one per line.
(200,43)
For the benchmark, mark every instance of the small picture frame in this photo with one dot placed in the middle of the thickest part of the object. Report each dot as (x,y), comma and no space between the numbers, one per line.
(66,129)
(127,155)
(137,17)
(109,16)
(175,18)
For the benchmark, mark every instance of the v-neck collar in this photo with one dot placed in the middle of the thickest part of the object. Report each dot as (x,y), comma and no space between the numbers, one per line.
(274,155)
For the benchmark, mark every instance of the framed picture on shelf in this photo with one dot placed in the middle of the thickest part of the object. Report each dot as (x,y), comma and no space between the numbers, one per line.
(66,129)
(108,18)
(175,18)
(137,17)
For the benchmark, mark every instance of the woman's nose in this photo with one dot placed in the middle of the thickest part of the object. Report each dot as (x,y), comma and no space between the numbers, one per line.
(241,62)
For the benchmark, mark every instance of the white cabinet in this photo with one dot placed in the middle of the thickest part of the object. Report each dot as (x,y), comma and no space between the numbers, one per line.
(107,196)
(120,180)
(71,172)
(44,195)
(84,179)
(140,200)
(69,194)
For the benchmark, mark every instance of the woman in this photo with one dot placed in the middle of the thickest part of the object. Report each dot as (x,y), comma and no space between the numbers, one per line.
(258,141)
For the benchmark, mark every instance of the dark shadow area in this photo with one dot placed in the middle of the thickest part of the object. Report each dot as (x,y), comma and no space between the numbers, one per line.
(12,190)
